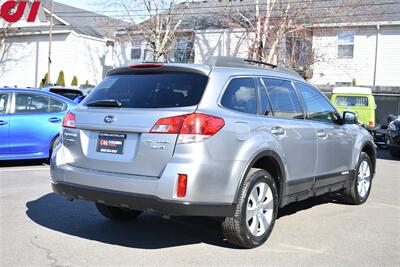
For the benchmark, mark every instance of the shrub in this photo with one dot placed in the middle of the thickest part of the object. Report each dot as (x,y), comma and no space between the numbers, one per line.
(74,81)
(61,80)
(44,81)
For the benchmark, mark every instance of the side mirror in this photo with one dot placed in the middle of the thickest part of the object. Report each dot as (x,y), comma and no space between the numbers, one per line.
(79,99)
(349,117)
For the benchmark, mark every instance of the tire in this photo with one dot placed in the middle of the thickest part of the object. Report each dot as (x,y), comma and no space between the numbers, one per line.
(117,214)
(360,189)
(248,233)
(395,153)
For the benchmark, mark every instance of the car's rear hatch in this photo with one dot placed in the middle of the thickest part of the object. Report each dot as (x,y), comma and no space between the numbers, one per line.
(116,138)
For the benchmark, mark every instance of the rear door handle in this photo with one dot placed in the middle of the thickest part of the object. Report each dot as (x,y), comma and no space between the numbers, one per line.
(3,123)
(322,135)
(278,131)
(54,120)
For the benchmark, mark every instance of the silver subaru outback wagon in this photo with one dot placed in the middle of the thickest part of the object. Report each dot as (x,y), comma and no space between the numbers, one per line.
(227,139)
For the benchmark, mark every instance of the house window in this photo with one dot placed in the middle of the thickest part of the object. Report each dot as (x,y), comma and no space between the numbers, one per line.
(345,44)
(136,53)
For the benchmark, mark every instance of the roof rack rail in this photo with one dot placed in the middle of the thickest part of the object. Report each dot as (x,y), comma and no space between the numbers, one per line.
(237,62)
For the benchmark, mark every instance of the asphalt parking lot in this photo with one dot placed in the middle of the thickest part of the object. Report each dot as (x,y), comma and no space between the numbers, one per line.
(38,228)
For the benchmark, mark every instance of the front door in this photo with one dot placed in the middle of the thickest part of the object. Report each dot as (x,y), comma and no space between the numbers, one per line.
(334,141)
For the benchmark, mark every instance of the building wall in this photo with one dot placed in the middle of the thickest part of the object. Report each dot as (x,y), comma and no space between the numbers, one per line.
(328,69)
(220,43)
(24,59)
(388,67)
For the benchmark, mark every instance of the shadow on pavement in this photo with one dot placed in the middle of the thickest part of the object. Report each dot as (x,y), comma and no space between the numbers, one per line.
(149,231)
(21,163)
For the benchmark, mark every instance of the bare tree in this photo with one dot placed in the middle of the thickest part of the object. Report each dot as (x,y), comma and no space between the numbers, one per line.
(5,29)
(156,22)
(270,22)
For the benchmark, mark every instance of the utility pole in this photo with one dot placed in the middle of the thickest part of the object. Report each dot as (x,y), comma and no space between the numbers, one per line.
(50,41)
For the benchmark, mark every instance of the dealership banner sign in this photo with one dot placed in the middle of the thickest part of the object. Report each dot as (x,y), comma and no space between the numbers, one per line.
(13,11)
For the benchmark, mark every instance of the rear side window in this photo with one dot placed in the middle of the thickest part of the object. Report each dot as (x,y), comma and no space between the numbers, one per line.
(37,103)
(3,103)
(351,101)
(284,100)
(155,90)
(240,95)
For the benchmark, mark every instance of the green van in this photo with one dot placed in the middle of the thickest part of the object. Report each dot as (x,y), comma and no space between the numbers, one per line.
(356,99)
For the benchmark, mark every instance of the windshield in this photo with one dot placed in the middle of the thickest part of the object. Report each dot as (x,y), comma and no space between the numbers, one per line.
(352,101)
(155,90)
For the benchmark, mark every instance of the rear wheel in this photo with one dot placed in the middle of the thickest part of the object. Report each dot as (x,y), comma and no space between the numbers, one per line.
(359,191)
(255,212)
(116,213)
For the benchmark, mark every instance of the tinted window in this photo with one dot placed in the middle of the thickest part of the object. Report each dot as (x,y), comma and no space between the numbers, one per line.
(156,90)
(284,100)
(265,105)
(318,108)
(352,101)
(240,95)
(70,94)
(3,103)
(36,103)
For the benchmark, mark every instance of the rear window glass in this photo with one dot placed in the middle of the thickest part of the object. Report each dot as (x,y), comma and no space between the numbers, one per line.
(70,94)
(352,101)
(156,90)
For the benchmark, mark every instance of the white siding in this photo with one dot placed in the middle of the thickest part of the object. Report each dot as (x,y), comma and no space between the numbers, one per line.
(220,43)
(25,59)
(388,67)
(328,69)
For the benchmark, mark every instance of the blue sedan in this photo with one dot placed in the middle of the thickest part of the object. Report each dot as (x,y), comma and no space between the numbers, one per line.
(30,122)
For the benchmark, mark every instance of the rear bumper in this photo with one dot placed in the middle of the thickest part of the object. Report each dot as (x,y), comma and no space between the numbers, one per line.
(142,202)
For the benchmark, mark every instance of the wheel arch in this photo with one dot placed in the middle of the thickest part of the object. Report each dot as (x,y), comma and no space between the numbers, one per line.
(52,142)
(369,148)
(270,161)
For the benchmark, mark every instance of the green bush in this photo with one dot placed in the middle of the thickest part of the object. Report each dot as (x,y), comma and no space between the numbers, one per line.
(44,81)
(61,80)
(74,81)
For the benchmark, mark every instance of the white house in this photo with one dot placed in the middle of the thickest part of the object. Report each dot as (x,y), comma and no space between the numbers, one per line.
(367,54)
(81,46)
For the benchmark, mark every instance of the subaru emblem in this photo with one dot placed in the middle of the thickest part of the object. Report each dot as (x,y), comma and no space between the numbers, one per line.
(109,119)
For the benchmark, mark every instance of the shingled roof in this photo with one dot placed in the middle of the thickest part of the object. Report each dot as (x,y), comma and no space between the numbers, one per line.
(215,14)
(83,21)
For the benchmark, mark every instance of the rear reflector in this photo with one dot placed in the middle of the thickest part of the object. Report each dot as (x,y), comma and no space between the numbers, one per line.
(191,128)
(146,66)
(182,184)
(69,120)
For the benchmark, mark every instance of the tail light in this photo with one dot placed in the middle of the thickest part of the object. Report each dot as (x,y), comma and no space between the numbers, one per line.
(191,128)
(371,124)
(69,120)
(182,185)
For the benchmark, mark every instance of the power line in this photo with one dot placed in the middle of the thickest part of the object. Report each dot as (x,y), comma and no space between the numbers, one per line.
(238,6)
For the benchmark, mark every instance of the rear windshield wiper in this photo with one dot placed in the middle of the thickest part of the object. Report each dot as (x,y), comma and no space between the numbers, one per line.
(105,103)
